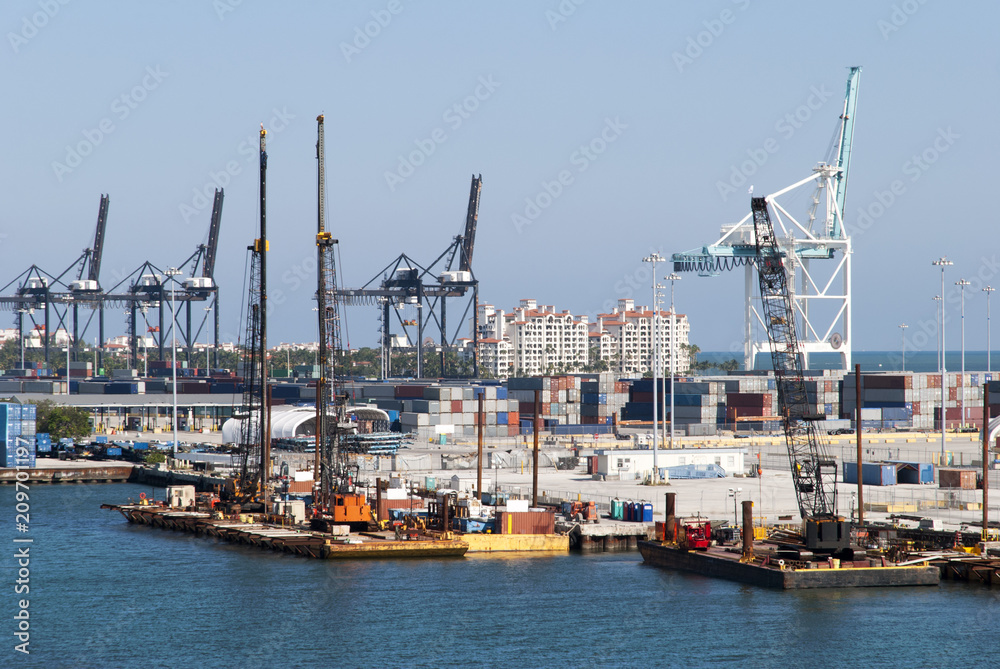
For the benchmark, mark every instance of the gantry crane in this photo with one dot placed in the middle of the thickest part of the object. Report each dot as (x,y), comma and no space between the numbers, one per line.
(814,472)
(822,236)
(405,282)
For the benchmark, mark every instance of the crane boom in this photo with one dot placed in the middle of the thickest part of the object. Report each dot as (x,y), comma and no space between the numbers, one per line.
(844,152)
(471,218)
(98,249)
(814,472)
(208,264)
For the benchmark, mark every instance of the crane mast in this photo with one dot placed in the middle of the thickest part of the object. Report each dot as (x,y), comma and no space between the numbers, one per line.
(329,390)
(254,451)
(814,472)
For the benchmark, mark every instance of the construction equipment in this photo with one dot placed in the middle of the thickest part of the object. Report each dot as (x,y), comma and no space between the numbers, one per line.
(694,535)
(254,456)
(338,503)
(814,472)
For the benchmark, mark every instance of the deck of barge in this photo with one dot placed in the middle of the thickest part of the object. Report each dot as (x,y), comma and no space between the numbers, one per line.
(719,563)
(289,540)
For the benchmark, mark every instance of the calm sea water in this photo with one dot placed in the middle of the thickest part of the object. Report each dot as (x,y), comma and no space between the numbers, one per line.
(106,594)
(888,361)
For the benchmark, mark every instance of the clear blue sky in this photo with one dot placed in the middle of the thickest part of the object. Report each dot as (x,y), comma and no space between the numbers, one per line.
(199,77)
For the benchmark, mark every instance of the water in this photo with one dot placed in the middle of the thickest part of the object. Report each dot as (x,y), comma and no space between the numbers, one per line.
(107,594)
(885,361)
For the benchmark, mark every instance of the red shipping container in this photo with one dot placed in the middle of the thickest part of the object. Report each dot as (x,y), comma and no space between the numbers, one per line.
(513,430)
(513,417)
(385,504)
(526,522)
(410,392)
(456,406)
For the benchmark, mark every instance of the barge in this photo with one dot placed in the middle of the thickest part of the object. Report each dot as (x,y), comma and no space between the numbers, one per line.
(766,572)
(282,538)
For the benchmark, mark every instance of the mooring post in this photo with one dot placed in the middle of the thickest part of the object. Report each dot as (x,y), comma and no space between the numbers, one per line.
(670,519)
(747,530)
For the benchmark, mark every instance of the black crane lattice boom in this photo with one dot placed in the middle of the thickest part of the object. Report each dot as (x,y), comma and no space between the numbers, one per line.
(814,472)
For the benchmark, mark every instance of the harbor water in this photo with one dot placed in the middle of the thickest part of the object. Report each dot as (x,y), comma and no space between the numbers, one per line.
(106,594)
(882,361)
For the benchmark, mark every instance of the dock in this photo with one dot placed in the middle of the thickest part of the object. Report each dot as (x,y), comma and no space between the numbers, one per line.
(767,572)
(606,536)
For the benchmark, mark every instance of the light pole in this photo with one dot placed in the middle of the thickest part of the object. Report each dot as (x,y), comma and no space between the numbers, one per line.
(988,290)
(942,263)
(672,277)
(902,338)
(735,493)
(654,330)
(172,272)
(962,283)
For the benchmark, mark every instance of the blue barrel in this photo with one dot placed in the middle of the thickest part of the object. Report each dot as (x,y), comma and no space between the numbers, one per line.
(647,512)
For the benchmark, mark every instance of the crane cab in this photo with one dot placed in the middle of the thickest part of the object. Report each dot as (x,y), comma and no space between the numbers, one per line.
(827,534)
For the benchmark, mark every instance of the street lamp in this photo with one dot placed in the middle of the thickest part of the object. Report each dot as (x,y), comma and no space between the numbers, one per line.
(735,493)
(672,277)
(988,290)
(655,354)
(942,263)
(902,338)
(962,283)
(172,272)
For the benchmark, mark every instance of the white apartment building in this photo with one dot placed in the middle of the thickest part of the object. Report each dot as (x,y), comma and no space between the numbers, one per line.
(624,338)
(531,340)
(495,357)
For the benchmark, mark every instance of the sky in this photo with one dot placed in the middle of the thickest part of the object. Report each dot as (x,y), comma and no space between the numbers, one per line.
(602,131)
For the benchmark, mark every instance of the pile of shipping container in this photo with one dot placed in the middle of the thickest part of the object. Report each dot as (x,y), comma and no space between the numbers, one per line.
(602,399)
(17,425)
(444,409)
(914,400)
(558,398)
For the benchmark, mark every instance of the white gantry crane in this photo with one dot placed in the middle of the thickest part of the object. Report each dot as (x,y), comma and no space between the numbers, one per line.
(818,235)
